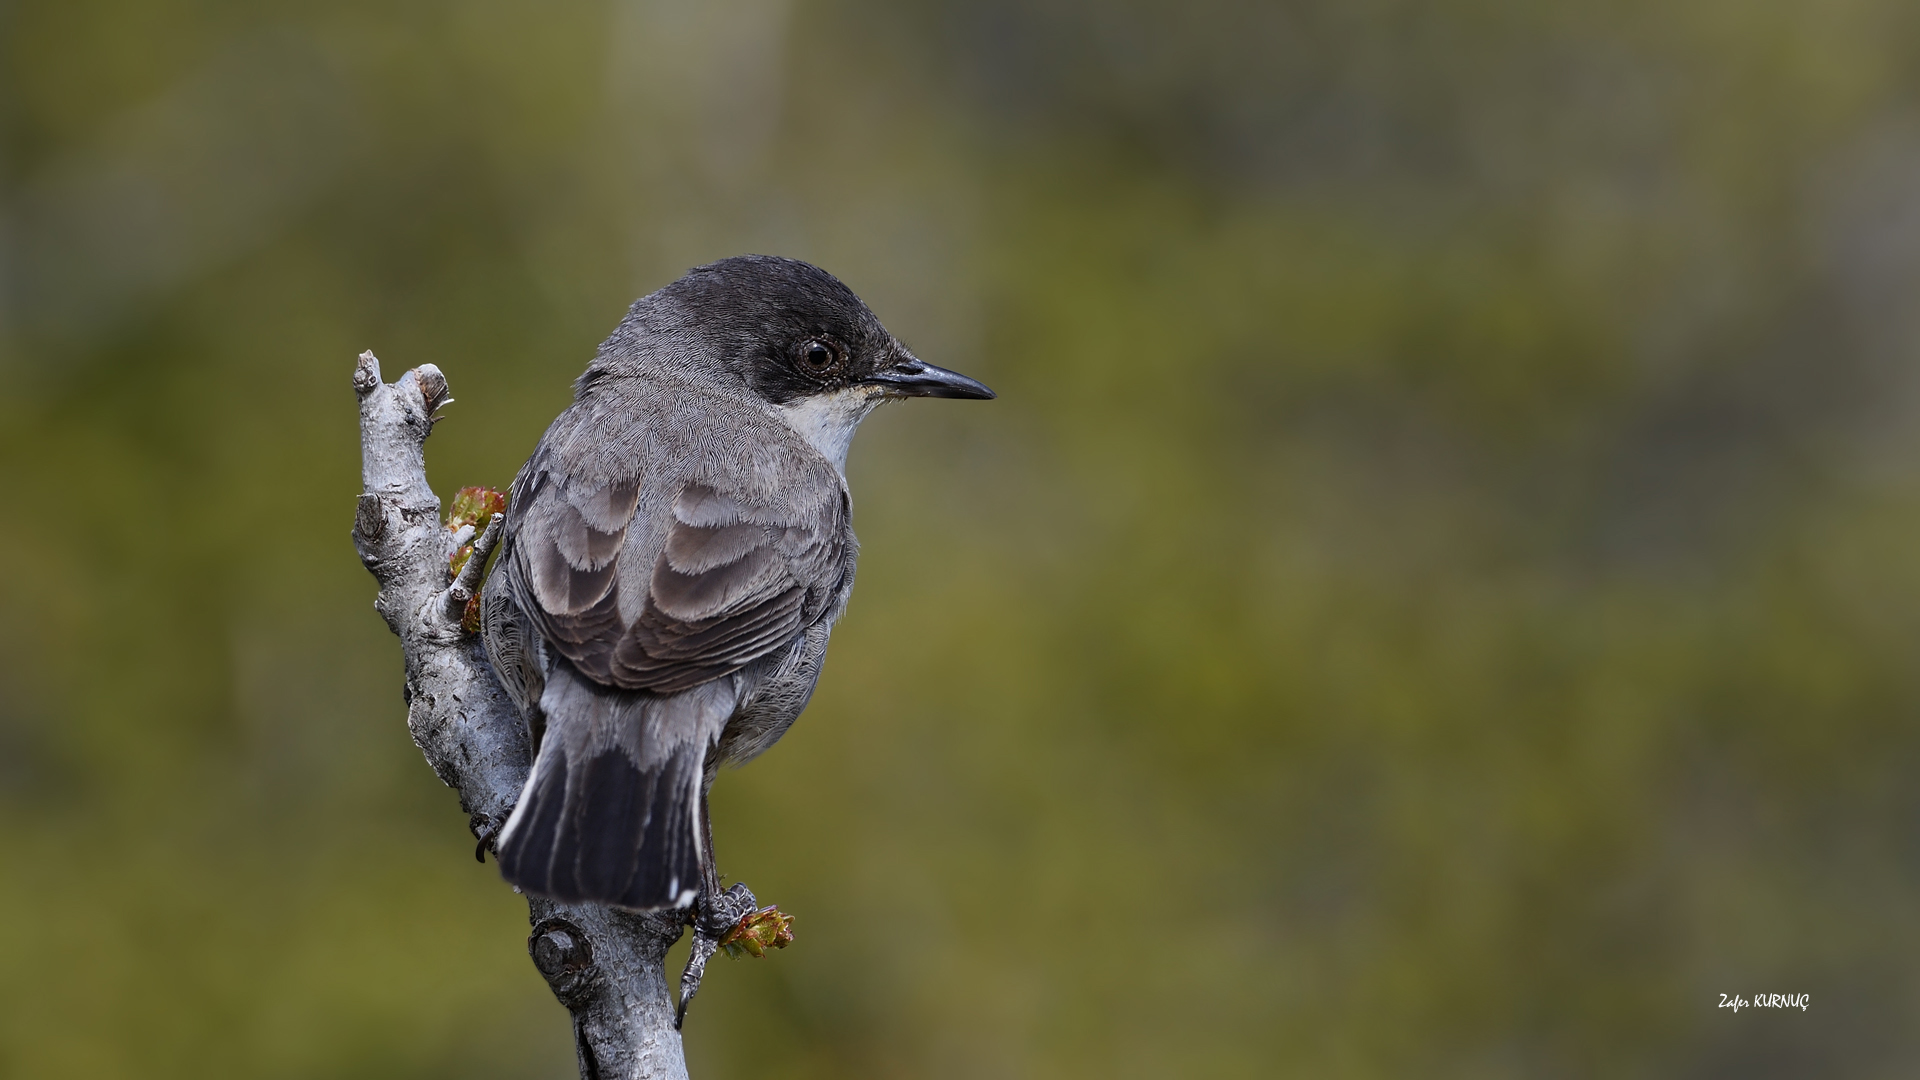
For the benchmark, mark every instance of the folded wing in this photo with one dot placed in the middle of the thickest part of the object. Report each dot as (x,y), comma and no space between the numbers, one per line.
(732,583)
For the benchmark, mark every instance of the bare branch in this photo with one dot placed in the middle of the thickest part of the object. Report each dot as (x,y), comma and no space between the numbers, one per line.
(605,965)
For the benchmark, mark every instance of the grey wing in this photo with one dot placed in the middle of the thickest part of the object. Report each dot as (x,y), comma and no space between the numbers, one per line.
(731,583)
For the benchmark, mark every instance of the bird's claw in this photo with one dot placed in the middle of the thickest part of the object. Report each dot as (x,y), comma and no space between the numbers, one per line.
(714,918)
(719,914)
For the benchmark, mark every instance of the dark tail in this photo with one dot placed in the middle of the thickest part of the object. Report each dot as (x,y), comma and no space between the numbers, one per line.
(607,830)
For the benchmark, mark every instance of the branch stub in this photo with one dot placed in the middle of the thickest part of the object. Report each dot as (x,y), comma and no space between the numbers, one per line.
(565,957)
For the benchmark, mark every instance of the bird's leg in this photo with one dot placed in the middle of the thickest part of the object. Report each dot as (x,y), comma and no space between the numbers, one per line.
(714,914)
(709,866)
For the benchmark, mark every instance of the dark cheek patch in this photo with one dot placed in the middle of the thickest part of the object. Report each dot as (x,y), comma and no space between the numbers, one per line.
(777,378)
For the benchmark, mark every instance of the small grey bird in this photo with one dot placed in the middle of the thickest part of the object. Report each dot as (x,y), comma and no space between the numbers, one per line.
(675,554)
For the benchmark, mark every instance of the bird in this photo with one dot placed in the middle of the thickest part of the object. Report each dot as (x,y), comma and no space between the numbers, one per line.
(674,555)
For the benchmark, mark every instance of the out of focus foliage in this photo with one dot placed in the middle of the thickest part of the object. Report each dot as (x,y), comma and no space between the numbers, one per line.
(1439,594)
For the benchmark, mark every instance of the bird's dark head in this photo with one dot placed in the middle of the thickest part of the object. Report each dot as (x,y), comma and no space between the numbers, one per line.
(785,332)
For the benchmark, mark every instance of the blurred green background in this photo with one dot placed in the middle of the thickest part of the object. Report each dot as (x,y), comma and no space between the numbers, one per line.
(1437,596)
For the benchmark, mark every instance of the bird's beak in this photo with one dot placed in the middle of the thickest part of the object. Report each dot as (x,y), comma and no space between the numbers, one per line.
(913,377)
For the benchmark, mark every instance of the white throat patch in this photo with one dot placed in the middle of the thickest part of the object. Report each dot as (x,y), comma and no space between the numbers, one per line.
(827,421)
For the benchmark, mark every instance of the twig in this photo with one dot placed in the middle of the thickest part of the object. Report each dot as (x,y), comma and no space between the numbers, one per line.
(453,602)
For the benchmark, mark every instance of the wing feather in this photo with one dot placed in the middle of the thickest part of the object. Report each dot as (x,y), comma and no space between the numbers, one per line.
(732,582)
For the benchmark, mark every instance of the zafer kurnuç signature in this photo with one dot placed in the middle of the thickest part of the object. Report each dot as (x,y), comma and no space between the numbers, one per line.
(1767,1001)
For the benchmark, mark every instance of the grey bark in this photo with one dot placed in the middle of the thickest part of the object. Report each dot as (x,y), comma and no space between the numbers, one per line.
(606,965)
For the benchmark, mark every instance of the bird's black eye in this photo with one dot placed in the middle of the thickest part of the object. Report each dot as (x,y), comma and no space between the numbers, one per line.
(820,357)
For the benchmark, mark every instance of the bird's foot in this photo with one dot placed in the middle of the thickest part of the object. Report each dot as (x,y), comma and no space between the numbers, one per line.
(714,918)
